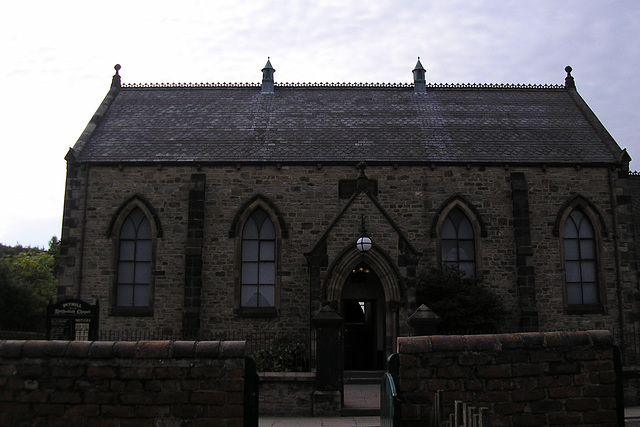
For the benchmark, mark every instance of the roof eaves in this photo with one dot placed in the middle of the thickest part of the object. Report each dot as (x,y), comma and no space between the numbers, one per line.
(469,163)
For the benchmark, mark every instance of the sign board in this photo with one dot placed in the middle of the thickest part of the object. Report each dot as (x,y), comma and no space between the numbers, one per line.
(73,319)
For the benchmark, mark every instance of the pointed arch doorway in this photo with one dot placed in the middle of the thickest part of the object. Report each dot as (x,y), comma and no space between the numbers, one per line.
(363,311)
(369,304)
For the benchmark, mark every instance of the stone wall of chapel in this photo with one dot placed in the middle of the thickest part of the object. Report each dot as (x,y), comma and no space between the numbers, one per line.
(488,190)
(167,190)
(69,248)
(549,191)
(307,198)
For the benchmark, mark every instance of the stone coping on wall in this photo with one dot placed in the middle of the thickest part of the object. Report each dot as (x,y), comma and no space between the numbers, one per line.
(499,342)
(122,349)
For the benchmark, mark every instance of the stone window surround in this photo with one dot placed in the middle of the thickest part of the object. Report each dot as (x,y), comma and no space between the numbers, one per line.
(597,223)
(115,226)
(238,224)
(477,224)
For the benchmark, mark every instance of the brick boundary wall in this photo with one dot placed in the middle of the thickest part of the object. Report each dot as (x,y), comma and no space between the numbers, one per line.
(525,379)
(120,384)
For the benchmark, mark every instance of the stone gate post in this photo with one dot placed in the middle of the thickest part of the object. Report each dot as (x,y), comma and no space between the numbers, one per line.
(327,398)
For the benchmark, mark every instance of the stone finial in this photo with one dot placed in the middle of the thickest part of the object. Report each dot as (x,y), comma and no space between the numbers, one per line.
(419,79)
(115,81)
(267,77)
(569,82)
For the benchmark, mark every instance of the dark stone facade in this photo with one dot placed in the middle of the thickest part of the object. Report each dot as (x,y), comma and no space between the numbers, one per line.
(197,161)
(318,254)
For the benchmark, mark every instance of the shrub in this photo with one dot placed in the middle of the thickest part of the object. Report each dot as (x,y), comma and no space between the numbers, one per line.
(461,303)
(282,356)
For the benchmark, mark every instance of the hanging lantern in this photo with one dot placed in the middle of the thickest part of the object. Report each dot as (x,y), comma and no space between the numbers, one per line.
(364,243)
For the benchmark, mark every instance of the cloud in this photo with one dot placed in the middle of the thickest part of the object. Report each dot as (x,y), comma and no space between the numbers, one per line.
(58,65)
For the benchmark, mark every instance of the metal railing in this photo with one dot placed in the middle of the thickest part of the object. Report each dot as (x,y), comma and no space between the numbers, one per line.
(463,415)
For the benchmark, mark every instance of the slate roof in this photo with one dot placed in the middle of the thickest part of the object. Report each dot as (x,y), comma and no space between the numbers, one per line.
(342,123)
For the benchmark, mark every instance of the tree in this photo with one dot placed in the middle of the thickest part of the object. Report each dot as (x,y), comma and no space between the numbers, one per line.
(17,310)
(27,284)
(461,303)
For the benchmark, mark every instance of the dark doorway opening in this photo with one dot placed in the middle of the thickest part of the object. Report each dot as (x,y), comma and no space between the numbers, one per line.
(363,314)
(360,335)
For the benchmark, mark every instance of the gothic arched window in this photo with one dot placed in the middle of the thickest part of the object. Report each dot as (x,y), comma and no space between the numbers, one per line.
(580,260)
(457,243)
(134,261)
(258,262)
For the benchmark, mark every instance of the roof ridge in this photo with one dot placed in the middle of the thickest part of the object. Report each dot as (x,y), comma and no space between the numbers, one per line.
(347,85)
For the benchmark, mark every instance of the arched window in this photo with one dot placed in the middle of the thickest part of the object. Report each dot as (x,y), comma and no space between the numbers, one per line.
(457,243)
(134,261)
(580,260)
(258,262)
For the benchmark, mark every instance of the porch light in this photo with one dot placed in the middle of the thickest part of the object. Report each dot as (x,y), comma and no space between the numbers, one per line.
(364,242)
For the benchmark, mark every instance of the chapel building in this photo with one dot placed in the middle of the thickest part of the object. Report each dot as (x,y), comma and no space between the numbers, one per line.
(205,210)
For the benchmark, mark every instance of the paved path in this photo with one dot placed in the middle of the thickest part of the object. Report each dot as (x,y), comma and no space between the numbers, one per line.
(632,416)
(362,397)
(632,419)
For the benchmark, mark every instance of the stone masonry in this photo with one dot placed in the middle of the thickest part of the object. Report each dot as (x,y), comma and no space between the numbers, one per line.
(307,200)
(322,161)
(526,379)
(145,383)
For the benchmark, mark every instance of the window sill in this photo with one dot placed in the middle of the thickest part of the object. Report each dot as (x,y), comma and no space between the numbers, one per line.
(585,309)
(131,312)
(257,312)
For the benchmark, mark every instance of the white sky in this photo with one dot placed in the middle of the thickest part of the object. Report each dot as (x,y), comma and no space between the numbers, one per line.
(58,58)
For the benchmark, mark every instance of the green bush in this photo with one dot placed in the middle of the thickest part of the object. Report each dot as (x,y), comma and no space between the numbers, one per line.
(462,304)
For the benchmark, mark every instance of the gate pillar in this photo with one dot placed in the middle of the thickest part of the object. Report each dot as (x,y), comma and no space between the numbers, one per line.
(327,397)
